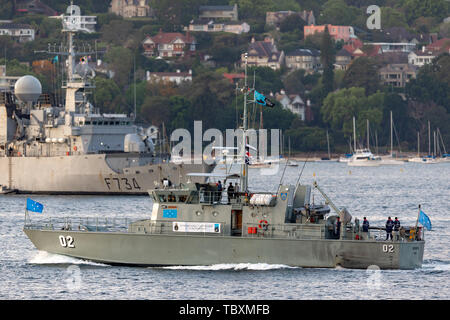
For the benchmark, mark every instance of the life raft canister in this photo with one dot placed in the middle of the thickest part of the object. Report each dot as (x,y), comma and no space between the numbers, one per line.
(263,224)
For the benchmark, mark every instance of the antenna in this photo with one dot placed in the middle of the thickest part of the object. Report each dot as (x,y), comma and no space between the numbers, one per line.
(134,78)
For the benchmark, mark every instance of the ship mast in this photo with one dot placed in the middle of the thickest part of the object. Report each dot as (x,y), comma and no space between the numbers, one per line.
(244,165)
(74,22)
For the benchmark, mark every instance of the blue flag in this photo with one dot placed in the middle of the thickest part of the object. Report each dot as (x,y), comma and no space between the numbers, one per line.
(261,99)
(55,59)
(424,220)
(34,206)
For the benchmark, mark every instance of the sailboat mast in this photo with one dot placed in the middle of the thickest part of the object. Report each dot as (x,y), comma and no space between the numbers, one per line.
(354,135)
(368,134)
(429,139)
(418,144)
(244,165)
(328,144)
(392,136)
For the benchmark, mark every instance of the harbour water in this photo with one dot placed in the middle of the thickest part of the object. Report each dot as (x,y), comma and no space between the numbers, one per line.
(374,192)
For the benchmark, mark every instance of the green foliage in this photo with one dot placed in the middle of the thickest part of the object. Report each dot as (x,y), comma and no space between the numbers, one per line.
(327,57)
(425,8)
(432,83)
(391,17)
(337,12)
(307,138)
(292,23)
(339,108)
(363,72)
(120,60)
(106,94)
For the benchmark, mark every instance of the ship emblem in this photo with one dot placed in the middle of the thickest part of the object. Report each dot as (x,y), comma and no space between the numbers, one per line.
(283,196)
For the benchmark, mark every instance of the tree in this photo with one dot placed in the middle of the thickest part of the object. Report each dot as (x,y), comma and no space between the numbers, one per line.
(156,110)
(105,94)
(120,60)
(291,23)
(341,106)
(363,72)
(337,12)
(327,57)
(391,17)
(425,8)
(432,83)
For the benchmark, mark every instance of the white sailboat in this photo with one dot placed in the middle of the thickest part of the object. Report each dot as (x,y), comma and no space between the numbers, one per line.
(429,159)
(390,160)
(362,157)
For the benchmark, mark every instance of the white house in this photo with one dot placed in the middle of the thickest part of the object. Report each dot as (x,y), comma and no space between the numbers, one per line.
(293,103)
(17,31)
(421,58)
(177,77)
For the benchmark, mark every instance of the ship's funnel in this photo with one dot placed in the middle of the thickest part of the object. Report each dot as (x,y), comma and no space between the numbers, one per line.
(28,89)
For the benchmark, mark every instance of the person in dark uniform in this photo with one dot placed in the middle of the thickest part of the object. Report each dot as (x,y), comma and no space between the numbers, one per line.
(230,192)
(396,228)
(389,227)
(219,191)
(365,225)
(337,232)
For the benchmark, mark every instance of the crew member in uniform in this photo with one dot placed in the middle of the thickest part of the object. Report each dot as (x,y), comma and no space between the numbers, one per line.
(365,225)
(396,228)
(389,227)
(337,232)
(230,192)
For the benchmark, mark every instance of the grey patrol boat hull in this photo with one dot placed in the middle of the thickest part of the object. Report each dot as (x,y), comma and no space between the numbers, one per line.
(106,174)
(164,250)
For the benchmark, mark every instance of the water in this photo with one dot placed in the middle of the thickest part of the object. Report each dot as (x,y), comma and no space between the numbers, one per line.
(26,273)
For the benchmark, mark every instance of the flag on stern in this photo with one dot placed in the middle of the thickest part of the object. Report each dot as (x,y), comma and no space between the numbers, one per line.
(424,220)
(34,206)
(261,99)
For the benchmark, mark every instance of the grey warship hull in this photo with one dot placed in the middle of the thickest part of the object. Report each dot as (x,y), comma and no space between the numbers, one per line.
(114,174)
(172,250)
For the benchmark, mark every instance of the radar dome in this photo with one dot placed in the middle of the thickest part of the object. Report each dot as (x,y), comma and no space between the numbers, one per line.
(28,89)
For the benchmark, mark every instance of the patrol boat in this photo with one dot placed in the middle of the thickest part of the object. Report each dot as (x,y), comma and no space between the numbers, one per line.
(73,148)
(198,224)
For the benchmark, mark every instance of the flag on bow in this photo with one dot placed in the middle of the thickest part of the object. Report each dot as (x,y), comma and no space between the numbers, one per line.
(34,206)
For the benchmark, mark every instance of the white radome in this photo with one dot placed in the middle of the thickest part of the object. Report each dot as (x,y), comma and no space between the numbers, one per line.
(28,89)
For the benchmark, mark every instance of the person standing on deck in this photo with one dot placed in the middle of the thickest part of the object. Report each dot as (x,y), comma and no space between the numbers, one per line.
(389,227)
(396,228)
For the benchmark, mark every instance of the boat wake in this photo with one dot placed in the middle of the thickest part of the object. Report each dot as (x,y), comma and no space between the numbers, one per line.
(43,257)
(436,265)
(234,266)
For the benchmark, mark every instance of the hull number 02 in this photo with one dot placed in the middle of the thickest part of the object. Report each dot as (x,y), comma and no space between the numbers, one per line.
(388,248)
(66,241)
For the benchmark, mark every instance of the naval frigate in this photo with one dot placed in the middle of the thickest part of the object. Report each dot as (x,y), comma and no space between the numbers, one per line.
(201,224)
(73,148)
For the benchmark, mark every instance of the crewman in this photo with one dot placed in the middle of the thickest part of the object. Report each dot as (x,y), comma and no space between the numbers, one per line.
(396,228)
(337,232)
(365,225)
(389,227)
(230,192)
(219,191)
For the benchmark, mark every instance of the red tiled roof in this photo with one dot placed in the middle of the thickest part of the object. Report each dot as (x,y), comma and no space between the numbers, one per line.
(439,45)
(169,37)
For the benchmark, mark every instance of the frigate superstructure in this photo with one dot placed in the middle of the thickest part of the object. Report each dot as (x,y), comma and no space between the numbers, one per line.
(73,148)
(202,224)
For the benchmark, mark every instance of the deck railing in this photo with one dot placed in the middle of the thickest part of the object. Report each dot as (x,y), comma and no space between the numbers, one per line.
(252,230)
